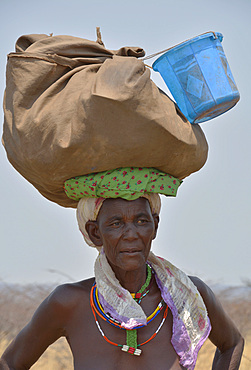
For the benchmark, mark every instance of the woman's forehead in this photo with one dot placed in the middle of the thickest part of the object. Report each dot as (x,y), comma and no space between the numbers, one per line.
(122,207)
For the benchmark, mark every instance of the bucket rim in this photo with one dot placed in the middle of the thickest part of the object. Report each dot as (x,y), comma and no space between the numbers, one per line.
(215,35)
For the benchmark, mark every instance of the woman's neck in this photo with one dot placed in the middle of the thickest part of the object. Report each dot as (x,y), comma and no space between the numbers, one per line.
(132,280)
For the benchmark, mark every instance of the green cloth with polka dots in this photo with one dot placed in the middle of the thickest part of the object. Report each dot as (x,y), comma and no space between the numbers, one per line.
(128,183)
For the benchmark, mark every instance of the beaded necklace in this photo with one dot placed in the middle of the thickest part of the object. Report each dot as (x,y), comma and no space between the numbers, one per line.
(125,347)
(96,305)
(139,295)
(131,335)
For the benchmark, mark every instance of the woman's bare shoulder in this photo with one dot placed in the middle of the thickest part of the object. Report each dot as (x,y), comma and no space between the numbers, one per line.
(202,287)
(67,296)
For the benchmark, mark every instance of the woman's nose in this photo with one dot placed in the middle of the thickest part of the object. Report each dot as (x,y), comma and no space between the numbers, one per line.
(130,232)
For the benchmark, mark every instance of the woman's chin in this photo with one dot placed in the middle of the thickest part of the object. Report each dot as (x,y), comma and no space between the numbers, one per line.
(132,261)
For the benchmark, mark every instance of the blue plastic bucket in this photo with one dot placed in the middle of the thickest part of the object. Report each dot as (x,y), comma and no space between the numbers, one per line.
(199,78)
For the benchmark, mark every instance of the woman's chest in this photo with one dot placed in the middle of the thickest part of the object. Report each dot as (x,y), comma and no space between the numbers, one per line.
(98,345)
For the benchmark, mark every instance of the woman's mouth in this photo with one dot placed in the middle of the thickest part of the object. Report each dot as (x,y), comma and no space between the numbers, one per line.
(130,251)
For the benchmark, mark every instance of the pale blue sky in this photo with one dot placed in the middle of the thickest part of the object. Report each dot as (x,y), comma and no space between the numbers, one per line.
(206,230)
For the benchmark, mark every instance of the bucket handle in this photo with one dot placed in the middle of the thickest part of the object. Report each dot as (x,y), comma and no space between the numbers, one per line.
(163,51)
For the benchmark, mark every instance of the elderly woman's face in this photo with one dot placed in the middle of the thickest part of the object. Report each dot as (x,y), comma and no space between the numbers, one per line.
(126,229)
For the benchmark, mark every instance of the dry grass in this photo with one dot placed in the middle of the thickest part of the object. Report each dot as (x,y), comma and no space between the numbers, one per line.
(17,304)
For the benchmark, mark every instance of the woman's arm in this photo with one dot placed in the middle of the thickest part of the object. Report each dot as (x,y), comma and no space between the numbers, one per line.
(45,327)
(224,334)
(230,358)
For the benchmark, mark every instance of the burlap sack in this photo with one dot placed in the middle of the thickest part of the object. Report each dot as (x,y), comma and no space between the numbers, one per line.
(73,107)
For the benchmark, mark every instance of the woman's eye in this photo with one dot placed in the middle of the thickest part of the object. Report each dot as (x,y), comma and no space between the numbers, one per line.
(116,223)
(142,221)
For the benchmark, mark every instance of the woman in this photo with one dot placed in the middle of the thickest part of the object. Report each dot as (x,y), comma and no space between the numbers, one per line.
(139,312)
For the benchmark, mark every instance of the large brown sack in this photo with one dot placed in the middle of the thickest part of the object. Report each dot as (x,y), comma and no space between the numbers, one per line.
(73,107)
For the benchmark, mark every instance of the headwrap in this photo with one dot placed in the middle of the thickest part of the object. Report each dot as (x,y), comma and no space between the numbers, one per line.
(128,183)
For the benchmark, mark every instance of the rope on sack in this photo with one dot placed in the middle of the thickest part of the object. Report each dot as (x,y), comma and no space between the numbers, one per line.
(148,66)
(99,38)
(152,56)
(155,54)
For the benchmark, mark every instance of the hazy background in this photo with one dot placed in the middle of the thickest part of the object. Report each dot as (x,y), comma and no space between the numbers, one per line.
(206,230)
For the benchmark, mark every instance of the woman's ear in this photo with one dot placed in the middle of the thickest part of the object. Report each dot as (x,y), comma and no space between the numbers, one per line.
(156,223)
(92,229)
